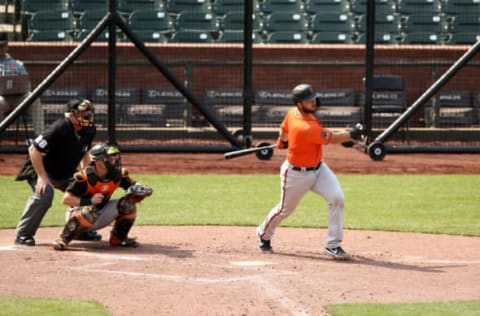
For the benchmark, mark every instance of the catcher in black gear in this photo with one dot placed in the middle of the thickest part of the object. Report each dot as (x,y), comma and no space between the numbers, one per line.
(91,208)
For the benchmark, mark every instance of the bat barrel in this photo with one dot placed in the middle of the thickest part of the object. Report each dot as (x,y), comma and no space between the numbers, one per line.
(247,151)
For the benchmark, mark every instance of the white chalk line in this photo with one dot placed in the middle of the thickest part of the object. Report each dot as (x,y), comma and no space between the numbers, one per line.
(258,279)
(276,294)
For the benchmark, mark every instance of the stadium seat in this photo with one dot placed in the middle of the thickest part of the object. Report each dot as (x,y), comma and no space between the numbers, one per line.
(389,99)
(425,23)
(286,21)
(234,20)
(102,37)
(332,23)
(236,36)
(191,36)
(177,6)
(423,38)
(407,7)
(286,37)
(380,38)
(467,38)
(387,29)
(198,21)
(61,22)
(270,6)
(50,35)
(385,7)
(466,23)
(124,97)
(227,106)
(384,23)
(32,6)
(159,107)
(128,6)
(151,21)
(223,7)
(332,38)
(80,6)
(456,7)
(88,20)
(338,108)
(52,20)
(327,6)
(151,36)
(274,103)
(454,109)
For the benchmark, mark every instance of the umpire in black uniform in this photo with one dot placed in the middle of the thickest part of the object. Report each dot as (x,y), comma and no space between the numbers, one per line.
(53,158)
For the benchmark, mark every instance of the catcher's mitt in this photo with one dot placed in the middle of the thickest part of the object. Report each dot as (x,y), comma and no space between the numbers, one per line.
(137,192)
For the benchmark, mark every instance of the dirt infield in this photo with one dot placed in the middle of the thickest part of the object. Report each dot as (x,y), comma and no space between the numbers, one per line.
(339,159)
(219,270)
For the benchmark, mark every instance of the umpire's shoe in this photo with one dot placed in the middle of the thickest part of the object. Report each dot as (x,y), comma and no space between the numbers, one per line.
(89,236)
(25,241)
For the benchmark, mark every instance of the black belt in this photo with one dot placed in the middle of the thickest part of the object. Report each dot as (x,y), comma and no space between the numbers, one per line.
(306,168)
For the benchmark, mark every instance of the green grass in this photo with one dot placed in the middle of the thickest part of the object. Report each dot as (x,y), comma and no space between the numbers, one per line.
(440,204)
(16,306)
(453,308)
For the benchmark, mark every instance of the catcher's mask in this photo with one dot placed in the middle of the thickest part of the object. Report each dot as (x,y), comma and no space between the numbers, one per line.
(83,110)
(109,155)
(305,92)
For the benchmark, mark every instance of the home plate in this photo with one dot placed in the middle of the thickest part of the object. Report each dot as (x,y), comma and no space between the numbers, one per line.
(250,263)
(4,248)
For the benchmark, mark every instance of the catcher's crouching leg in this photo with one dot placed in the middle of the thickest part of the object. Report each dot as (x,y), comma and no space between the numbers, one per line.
(127,212)
(81,220)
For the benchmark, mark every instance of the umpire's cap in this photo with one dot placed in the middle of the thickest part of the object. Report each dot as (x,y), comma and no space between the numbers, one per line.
(304,92)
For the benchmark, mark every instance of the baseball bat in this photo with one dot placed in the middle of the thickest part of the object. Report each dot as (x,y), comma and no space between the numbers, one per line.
(243,152)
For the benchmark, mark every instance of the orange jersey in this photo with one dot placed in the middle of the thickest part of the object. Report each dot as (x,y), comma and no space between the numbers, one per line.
(306,136)
(86,183)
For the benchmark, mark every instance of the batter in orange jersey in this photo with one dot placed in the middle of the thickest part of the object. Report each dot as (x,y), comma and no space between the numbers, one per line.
(304,136)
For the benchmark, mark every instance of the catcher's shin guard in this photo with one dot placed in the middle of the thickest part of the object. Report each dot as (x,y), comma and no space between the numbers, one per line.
(81,220)
(123,224)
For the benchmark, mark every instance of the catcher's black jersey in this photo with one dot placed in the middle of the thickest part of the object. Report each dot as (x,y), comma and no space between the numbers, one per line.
(63,148)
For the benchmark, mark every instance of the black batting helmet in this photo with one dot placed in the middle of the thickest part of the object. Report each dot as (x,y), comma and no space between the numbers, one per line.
(304,92)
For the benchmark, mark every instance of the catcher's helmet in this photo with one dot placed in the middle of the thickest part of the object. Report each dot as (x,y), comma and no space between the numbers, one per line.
(109,155)
(100,151)
(83,110)
(304,92)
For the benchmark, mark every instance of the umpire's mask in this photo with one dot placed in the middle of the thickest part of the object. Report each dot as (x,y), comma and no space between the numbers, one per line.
(83,110)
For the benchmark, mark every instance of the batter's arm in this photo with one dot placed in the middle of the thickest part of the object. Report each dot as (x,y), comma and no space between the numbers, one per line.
(339,137)
(282,140)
